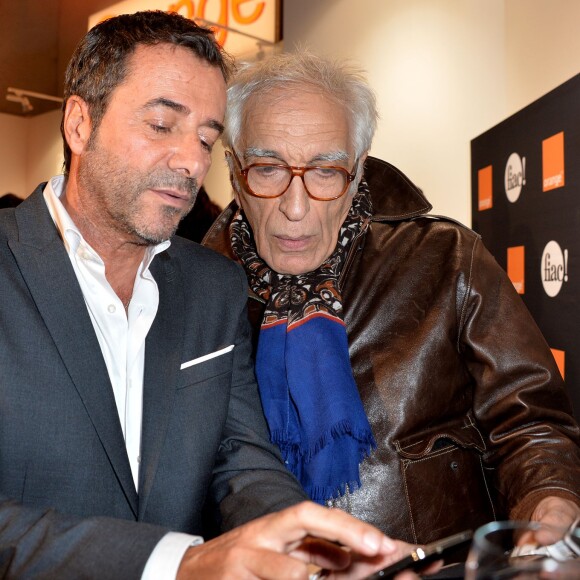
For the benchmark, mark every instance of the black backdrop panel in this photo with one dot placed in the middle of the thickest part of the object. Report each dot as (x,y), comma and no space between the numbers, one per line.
(534,202)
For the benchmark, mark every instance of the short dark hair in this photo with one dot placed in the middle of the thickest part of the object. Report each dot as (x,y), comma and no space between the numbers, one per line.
(99,63)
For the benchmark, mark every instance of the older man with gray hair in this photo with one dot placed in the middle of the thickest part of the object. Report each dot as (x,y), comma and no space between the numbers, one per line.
(401,375)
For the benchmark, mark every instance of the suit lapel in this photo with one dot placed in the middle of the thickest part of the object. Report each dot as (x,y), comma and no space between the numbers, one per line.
(47,270)
(163,351)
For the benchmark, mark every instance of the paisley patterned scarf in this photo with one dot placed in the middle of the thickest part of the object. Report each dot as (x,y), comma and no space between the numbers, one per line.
(310,399)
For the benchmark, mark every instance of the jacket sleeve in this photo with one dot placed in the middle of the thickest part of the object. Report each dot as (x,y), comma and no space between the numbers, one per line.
(44,543)
(250,479)
(519,396)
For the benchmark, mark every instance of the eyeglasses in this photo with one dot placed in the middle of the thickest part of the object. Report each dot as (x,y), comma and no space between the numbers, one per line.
(269,180)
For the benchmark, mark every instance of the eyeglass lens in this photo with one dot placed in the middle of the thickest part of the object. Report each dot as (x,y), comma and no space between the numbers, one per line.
(272,180)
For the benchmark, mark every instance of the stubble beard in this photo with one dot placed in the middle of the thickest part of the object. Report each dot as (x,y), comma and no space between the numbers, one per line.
(116,189)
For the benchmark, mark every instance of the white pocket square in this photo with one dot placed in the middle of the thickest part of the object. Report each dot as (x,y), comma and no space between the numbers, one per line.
(205,357)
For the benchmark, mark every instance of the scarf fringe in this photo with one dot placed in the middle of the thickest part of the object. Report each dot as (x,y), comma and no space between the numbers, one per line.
(341,429)
(321,494)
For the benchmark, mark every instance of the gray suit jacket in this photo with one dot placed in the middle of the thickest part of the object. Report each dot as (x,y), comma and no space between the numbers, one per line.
(68,505)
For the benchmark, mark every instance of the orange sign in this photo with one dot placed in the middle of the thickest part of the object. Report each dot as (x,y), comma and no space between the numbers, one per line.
(553,162)
(560,357)
(484,188)
(239,25)
(515,267)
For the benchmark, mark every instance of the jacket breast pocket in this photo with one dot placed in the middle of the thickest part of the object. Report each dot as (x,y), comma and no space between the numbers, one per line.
(207,370)
(445,481)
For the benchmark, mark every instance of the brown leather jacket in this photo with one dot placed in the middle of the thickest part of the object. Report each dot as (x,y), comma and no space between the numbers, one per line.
(464,398)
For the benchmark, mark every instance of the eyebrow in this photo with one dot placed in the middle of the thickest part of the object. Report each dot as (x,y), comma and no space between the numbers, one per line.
(256,152)
(331,156)
(182,109)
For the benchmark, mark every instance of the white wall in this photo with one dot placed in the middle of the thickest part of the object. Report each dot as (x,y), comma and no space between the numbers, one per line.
(444,71)
(14,133)
(217,181)
(30,151)
(542,47)
(45,157)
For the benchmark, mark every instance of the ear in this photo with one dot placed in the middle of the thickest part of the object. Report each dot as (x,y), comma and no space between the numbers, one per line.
(77,124)
(361,165)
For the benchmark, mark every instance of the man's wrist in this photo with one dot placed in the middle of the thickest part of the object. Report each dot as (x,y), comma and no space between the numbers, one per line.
(165,559)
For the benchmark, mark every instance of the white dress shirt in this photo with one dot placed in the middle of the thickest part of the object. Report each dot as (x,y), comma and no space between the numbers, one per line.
(121,336)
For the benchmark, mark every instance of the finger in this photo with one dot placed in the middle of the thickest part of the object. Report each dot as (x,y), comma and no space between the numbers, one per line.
(547,533)
(407,575)
(217,561)
(292,525)
(363,566)
(556,512)
(323,554)
(528,537)
(543,534)
(272,566)
(557,518)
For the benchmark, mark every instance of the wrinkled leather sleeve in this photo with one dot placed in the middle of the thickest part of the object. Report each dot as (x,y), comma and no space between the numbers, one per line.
(519,400)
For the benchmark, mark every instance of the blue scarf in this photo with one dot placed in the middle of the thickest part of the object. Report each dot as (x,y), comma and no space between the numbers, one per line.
(311,402)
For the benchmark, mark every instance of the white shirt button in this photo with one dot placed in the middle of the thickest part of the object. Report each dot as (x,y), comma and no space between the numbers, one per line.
(111,308)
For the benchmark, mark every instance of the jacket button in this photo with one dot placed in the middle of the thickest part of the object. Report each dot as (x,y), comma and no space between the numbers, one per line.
(454,465)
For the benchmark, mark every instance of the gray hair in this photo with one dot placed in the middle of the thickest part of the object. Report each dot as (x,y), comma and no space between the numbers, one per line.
(343,82)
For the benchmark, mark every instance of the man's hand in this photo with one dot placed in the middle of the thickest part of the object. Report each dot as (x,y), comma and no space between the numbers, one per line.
(281,545)
(553,511)
(556,511)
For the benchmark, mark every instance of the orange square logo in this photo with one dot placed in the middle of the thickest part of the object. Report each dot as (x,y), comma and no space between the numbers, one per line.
(515,267)
(560,357)
(553,162)
(484,191)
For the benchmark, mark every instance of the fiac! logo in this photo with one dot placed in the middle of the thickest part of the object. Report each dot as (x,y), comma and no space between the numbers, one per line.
(554,268)
(515,176)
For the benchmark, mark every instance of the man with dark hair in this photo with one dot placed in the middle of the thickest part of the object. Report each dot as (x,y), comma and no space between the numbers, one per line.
(130,423)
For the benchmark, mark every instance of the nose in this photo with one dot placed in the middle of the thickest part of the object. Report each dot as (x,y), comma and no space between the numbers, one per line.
(295,203)
(189,157)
